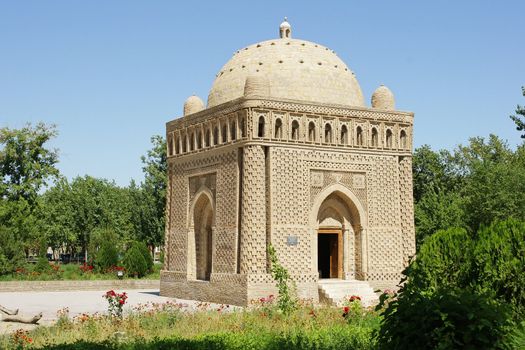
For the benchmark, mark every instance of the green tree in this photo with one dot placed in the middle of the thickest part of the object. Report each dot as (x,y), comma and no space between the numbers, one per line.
(27,164)
(57,216)
(134,261)
(494,181)
(437,203)
(520,121)
(75,210)
(149,199)
(104,247)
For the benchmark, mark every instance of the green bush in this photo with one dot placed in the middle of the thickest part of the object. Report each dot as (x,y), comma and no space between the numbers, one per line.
(445,319)
(457,287)
(134,261)
(106,257)
(442,261)
(499,263)
(146,254)
(42,265)
(516,338)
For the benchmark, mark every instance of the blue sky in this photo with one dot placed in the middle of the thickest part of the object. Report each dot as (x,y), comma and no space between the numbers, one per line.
(110,74)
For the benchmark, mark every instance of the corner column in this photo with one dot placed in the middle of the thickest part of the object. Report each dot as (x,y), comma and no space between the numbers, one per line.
(253,211)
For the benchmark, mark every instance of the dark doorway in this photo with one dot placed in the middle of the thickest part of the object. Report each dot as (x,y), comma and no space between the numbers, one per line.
(328,255)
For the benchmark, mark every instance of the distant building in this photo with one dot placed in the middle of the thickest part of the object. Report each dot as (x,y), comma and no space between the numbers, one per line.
(287,153)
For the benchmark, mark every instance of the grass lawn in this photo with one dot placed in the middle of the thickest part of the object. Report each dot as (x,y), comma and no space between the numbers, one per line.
(69,271)
(165,326)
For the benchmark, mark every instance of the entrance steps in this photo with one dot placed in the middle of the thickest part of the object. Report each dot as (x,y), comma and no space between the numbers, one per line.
(333,291)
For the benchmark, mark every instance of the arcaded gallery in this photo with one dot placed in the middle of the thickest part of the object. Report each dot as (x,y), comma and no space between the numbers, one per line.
(286,152)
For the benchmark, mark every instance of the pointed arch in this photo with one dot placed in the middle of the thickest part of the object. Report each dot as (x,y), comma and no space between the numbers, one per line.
(200,239)
(337,209)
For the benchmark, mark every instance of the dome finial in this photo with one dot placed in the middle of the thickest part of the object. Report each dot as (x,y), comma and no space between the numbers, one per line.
(285,29)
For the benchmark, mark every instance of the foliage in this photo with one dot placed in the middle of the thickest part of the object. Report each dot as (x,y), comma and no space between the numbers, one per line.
(436,197)
(86,211)
(26,164)
(11,250)
(106,257)
(149,200)
(68,272)
(516,337)
(460,284)
(352,308)
(287,301)
(471,187)
(42,265)
(519,121)
(168,326)
(499,263)
(446,319)
(134,261)
(494,181)
(442,261)
(116,302)
(146,253)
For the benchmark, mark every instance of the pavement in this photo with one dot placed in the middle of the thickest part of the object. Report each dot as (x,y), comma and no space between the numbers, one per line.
(78,302)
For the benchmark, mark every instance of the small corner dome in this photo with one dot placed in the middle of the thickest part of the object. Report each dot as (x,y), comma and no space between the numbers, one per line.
(383,98)
(193,104)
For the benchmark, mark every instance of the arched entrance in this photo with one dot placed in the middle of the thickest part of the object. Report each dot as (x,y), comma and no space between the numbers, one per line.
(338,235)
(202,247)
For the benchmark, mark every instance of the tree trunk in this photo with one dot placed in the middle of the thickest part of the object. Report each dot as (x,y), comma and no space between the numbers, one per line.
(7,315)
(7,311)
(22,319)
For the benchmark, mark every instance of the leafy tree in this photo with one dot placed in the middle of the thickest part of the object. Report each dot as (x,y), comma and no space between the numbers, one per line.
(494,181)
(436,198)
(520,111)
(149,200)
(57,216)
(26,166)
(75,210)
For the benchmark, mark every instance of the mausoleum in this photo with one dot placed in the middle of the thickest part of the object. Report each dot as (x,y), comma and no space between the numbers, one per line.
(287,153)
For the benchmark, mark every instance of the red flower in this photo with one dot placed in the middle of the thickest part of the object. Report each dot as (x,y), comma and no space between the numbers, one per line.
(346,309)
(121,301)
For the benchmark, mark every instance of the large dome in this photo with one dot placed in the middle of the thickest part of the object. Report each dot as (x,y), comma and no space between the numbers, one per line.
(294,69)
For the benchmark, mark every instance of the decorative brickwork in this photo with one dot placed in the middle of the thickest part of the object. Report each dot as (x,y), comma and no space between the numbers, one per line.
(309,169)
(253,219)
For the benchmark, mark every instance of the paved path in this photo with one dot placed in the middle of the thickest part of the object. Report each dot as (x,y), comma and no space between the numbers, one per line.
(78,302)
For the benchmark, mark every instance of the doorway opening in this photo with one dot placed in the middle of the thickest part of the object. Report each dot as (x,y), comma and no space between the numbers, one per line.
(330,254)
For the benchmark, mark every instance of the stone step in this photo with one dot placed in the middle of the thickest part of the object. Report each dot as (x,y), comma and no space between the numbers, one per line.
(335,291)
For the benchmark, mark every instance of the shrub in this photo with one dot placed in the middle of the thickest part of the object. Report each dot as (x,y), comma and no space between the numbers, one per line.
(446,319)
(286,302)
(134,261)
(42,265)
(146,254)
(457,287)
(516,338)
(499,263)
(443,260)
(106,257)
(116,302)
